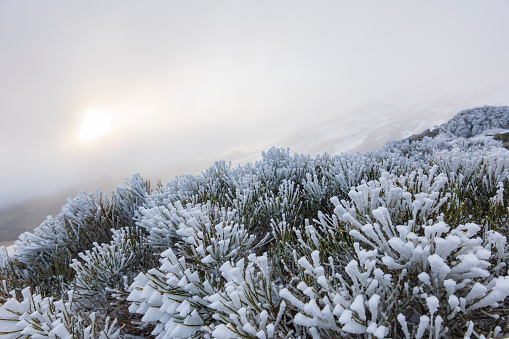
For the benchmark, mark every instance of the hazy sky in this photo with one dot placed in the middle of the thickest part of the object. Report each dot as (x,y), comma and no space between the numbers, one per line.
(165,82)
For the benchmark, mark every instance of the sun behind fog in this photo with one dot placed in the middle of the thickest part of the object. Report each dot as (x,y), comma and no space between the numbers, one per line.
(94,124)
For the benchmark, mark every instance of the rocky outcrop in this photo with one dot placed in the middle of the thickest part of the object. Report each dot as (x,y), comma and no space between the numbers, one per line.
(420,136)
(504,137)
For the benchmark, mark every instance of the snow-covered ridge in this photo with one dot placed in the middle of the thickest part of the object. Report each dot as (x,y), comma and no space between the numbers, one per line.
(406,241)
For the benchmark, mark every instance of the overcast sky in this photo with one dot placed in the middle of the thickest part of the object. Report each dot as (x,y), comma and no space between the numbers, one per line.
(165,82)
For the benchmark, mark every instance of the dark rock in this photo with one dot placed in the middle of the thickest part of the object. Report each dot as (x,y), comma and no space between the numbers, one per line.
(504,137)
(501,137)
(420,136)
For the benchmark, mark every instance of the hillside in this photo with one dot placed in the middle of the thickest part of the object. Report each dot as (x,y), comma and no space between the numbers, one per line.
(21,217)
(405,241)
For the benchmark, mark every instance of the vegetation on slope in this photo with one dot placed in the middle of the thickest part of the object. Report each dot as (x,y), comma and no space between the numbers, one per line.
(403,242)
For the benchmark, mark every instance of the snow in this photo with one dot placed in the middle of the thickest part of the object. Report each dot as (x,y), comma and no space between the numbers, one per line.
(433,304)
(439,268)
(223,332)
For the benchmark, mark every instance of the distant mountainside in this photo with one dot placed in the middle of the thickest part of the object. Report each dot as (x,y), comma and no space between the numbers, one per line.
(25,216)
(373,125)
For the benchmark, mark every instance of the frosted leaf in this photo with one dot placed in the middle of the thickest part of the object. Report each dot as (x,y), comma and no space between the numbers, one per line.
(450,286)
(223,332)
(380,332)
(432,303)
(358,306)
(423,326)
(439,268)
(404,326)
(424,277)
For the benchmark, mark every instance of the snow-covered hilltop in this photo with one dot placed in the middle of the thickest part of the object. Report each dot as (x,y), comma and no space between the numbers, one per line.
(406,241)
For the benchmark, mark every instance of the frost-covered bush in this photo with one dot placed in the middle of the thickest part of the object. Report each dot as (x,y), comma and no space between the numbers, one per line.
(248,304)
(203,287)
(34,316)
(408,265)
(48,251)
(474,121)
(111,267)
(406,241)
(203,238)
(438,272)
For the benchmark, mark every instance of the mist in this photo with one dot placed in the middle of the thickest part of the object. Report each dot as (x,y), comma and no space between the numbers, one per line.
(187,82)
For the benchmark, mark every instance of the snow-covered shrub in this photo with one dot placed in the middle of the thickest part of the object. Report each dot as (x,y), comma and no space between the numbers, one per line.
(408,265)
(345,171)
(34,316)
(111,267)
(83,221)
(278,165)
(127,199)
(327,306)
(475,179)
(280,184)
(248,305)
(474,121)
(286,203)
(201,239)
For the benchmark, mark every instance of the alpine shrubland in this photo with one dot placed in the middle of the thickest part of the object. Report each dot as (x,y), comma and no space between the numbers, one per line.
(407,241)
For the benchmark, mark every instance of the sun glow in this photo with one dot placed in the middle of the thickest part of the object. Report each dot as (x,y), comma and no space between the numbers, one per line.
(94,124)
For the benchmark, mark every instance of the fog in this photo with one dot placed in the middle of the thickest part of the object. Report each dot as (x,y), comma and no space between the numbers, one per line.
(180,83)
